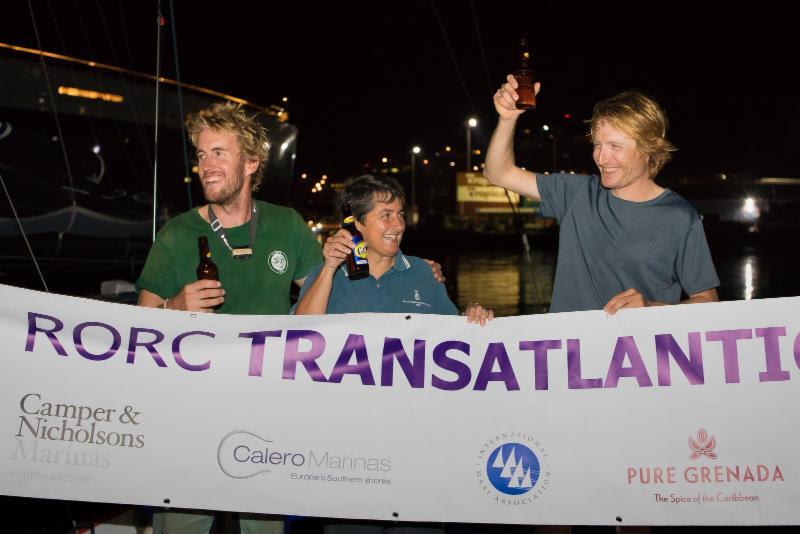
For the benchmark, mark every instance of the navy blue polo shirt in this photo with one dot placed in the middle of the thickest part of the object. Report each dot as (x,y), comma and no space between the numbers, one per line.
(407,287)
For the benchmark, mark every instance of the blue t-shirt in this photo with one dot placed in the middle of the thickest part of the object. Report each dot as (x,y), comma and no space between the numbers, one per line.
(407,287)
(608,245)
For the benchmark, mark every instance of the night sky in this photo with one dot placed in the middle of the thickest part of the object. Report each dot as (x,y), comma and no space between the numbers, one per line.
(368,79)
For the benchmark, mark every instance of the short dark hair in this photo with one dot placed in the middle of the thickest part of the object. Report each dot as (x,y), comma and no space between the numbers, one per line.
(360,193)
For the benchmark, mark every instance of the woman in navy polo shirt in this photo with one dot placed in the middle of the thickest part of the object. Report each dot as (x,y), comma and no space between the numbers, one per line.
(397,283)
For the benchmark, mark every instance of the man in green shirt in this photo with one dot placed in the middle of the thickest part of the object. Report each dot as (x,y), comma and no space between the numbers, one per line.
(259,248)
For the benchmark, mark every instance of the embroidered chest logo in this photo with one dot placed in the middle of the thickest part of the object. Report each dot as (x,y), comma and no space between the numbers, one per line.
(418,302)
(278,262)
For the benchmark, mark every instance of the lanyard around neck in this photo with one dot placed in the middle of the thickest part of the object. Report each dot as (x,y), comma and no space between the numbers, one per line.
(237,252)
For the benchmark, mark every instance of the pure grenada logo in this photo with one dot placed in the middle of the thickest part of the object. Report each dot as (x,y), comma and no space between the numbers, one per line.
(702,448)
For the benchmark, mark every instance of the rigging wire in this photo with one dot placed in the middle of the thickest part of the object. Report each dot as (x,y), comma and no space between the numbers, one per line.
(57,27)
(71,67)
(132,66)
(90,54)
(53,106)
(22,231)
(160,24)
(126,90)
(515,212)
(480,46)
(452,55)
(173,26)
(74,77)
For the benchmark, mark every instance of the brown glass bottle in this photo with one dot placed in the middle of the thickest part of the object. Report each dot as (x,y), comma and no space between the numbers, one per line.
(357,265)
(206,269)
(524,77)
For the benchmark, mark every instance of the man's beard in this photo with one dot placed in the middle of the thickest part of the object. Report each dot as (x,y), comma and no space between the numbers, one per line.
(228,193)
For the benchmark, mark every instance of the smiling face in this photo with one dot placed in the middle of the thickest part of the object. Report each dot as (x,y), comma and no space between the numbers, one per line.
(623,169)
(383,228)
(223,169)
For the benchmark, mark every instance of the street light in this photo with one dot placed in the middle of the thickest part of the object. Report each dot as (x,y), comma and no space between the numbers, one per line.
(553,135)
(471,123)
(414,151)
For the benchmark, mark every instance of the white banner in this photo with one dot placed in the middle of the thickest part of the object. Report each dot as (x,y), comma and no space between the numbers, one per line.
(682,415)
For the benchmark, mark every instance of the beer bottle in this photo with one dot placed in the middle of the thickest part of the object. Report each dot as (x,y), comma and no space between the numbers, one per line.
(357,266)
(524,77)
(206,269)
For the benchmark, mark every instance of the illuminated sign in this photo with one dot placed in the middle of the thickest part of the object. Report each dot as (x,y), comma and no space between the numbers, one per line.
(89,94)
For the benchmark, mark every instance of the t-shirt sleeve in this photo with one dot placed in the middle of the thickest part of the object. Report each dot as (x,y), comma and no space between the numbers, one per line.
(311,276)
(158,274)
(309,252)
(443,305)
(695,267)
(557,192)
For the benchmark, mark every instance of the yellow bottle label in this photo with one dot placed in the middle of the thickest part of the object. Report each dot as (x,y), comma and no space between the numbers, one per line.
(349,219)
(361,252)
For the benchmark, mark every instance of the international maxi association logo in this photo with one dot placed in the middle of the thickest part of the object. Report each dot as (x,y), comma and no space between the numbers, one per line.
(512,468)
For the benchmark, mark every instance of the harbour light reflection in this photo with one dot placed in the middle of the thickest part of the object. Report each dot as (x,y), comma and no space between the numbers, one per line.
(748,278)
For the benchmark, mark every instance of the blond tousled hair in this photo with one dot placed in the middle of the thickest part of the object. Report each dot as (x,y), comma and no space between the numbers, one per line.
(230,117)
(640,118)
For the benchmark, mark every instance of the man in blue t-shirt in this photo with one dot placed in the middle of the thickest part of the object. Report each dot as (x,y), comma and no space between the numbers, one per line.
(624,240)
(396,282)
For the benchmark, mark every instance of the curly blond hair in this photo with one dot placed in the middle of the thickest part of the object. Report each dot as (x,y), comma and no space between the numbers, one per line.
(640,118)
(230,117)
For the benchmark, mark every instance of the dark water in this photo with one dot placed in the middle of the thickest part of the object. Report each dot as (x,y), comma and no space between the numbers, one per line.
(758,272)
(507,283)
(492,271)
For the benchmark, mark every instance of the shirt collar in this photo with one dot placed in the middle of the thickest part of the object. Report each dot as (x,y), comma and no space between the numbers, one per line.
(401,263)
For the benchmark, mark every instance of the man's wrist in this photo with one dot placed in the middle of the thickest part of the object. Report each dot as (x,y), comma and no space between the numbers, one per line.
(510,121)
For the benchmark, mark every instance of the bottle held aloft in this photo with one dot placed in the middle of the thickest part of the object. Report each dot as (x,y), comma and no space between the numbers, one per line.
(524,77)
(206,269)
(357,265)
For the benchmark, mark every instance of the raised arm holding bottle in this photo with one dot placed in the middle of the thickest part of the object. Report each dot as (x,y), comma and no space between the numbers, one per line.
(625,241)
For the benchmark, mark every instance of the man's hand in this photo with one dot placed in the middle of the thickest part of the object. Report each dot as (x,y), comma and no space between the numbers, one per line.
(199,296)
(336,249)
(505,99)
(478,314)
(633,299)
(630,298)
(436,270)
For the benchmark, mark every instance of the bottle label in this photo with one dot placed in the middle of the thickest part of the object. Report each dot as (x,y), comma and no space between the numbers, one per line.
(349,220)
(360,253)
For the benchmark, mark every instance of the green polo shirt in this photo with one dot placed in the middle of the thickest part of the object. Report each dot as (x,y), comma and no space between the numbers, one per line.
(284,250)
(407,287)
